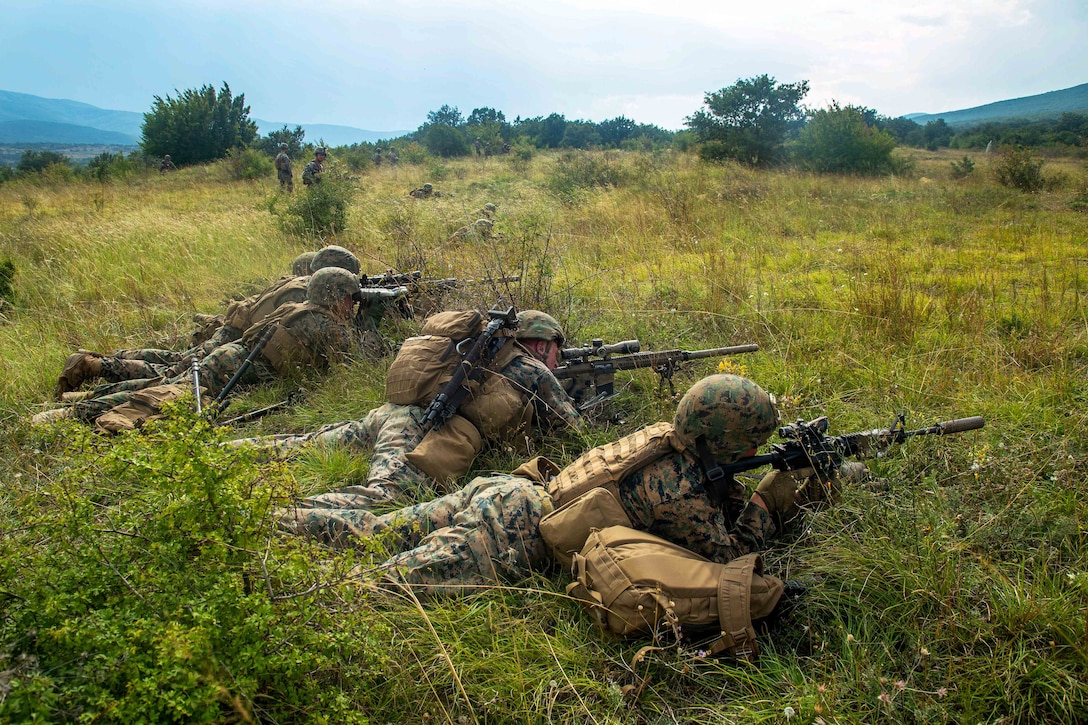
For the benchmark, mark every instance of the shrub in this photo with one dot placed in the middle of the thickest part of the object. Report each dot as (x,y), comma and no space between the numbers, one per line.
(6,174)
(248,164)
(837,140)
(320,209)
(578,171)
(7,283)
(1016,167)
(963,168)
(413,153)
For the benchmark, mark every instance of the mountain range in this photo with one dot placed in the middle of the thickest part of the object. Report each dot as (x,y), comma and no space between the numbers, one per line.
(27,119)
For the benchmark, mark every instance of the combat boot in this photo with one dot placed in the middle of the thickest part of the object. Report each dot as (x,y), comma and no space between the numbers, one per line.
(51,416)
(79,366)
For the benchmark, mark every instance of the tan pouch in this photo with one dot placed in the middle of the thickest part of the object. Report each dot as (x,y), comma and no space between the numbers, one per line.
(420,368)
(142,406)
(538,470)
(446,454)
(566,529)
(497,408)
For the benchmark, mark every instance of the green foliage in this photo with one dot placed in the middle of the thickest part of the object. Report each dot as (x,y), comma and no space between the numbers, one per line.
(413,153)
(576,172)
(199,125)
(37,161)
(444,140)
(6,173)
(319,209)
(937,134)
(164,597)
(963,168)
(838,140)
(294,138)
(7,282)
(749,121)
(249,164)
(108,166)
(1018,168)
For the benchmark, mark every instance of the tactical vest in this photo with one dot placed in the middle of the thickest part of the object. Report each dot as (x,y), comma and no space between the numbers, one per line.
(586,493)
(285,350)
(243,314)
(632,582)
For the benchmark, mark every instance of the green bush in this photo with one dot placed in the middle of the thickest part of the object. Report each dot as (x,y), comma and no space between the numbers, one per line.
(837,140)
(413,153)
(320,209)
(963,168)
(1017,168)
(248,164)
(7,283)
(147,586)
(578,171)
(6,174)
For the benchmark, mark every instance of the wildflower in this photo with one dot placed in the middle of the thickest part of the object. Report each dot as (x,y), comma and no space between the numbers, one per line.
(789,712)
(849,638)
(885,698)
(941,692)
(900,685)
(924,652)
(821,689)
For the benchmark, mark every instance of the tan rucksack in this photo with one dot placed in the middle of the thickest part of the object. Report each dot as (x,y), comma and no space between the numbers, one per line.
(243,314)
(142,406)
(632,582)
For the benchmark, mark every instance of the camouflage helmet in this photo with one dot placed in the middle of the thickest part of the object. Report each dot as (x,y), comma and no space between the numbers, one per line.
(330,285)
(490,207)
(427,187)
(284,147)
(334,256)
(725,416)
(301,266)
(320,151)
(537,325)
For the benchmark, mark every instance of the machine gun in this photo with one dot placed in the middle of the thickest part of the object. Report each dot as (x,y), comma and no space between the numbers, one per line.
(473,362)
(807,445)
(589,377)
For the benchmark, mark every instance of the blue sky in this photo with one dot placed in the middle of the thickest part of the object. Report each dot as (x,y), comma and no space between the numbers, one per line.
(382,65)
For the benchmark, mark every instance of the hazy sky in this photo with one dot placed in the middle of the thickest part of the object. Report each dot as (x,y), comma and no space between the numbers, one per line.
(382,65)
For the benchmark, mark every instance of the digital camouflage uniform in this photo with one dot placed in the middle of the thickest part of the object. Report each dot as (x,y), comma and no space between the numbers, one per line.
(283,171)
(489,530)
(311,173)
(395,430)
(323,336)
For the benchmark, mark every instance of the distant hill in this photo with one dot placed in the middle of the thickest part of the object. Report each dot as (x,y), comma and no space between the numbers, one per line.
(1044,105)
(29,119)
(332,135)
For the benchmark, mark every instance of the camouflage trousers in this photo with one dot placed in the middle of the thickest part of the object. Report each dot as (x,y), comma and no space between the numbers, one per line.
(486,532)
(388,432)
(215,371)
(146,363)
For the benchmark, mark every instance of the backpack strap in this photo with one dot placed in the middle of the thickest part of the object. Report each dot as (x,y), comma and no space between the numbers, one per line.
(735,609)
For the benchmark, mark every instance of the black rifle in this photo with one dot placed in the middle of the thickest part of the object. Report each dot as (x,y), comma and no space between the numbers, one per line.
(221,401)
(473,362)
(293,399)
(599,375)
(365,317)
(415,281)
(807,445)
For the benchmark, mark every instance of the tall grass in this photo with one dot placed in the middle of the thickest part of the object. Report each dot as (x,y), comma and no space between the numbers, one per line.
(956,591)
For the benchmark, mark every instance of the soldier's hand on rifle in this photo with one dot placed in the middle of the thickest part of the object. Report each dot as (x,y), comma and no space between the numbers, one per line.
(778,492)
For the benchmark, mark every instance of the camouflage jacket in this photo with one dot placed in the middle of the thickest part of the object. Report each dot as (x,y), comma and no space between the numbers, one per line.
(311,173)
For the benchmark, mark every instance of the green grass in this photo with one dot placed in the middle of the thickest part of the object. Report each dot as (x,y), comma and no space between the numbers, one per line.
(957,593)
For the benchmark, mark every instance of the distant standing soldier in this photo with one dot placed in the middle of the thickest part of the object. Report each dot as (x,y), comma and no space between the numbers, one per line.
(391,156)
(283,169)
(311,174)
(479,146)
(377,156)
(167,165)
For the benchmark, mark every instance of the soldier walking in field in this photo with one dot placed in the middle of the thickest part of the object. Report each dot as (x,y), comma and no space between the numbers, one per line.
(283,169)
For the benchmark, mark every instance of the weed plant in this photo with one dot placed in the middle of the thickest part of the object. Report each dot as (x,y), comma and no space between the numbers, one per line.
(141,578)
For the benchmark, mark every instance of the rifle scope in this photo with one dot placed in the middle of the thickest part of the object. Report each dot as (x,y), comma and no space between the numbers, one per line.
(597,348)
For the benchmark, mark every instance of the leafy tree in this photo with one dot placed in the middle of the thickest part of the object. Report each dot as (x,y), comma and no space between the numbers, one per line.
(444,140)
(838,140)
(489,126)
(199,125)
(937,134)
(294,139)
(581,135)
(448,115)
(6,174)
(615,131)
(1016,167)
(552,131)
(750,120)
(37,161)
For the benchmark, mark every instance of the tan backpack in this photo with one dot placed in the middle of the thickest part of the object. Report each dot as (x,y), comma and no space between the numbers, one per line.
(243,314)
(632,582)
(142,406)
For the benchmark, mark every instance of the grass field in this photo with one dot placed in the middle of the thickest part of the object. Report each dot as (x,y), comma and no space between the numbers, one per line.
(140,581)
